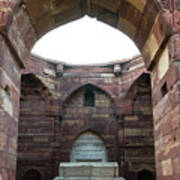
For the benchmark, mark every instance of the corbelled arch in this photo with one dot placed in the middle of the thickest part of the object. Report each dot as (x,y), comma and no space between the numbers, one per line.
(143,79)
(152,24)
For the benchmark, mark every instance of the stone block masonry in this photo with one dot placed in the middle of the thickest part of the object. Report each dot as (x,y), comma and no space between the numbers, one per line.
(54,113)
(153,25)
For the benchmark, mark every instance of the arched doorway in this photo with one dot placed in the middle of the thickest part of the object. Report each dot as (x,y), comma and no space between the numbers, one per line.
(145,175)
(32,175)
(88,147)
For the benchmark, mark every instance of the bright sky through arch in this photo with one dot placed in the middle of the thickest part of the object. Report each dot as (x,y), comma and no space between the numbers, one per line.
(85,41)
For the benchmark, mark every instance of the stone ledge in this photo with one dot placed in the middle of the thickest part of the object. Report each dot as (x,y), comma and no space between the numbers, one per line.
(89,164)
(89,169)
(88,178)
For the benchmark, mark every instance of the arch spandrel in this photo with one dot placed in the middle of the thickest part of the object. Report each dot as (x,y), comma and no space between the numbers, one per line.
(47,14)
(111,5)
(135,18)
(95,86)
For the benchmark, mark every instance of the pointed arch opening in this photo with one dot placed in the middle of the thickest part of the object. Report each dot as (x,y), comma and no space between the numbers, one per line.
(89,96)
(88,147)
(32,175)
(145,174)
(89,41)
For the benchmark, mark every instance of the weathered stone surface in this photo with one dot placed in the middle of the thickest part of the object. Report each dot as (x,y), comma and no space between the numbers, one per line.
(62,117)
(88,147)
(153,25)
(167,169)
(87,178)
(9,109)
(3,141)
(89,169)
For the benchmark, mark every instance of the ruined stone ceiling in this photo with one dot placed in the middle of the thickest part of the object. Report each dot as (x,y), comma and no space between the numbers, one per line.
(134,17)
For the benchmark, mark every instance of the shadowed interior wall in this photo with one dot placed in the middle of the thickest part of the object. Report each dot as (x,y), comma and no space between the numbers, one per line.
(52,119)
(77,117)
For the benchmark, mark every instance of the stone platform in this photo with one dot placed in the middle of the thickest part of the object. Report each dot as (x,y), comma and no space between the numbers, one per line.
(89,171)
(88,178)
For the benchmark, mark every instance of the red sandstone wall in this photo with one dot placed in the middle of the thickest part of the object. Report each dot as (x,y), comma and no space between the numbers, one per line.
(138,128)
(78,118)
(122,117)
(9,110)
(151,27)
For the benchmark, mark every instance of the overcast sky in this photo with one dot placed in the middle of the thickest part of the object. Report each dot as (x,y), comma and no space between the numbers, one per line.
(85,41)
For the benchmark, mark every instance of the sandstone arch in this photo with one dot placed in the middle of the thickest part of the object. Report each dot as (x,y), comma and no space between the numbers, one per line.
(95,86)
(148,25)
(153,25)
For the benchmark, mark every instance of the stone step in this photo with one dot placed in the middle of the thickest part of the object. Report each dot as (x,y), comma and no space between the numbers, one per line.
(88,178)
(96,169)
